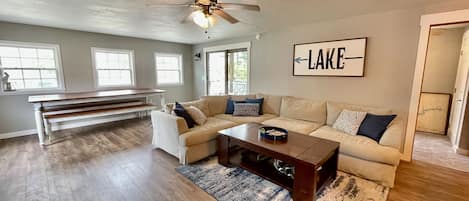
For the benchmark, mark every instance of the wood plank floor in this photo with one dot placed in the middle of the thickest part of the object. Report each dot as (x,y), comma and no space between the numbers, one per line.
(115,162)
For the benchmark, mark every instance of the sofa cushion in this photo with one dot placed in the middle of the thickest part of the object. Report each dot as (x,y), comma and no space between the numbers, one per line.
(241,120)
(299,126)
(232,99)
(216,104)
(394,134)
(374,126)
(201,104)
(349,121)
(359,146)
(259,101)
(204,133)
(197,115)
(271,103)
(180,111)
(303,109)
(334,109)
(230,105)
(246,109)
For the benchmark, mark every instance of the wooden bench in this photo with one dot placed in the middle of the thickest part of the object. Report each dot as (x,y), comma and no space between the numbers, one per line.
(79,113)
(57,108)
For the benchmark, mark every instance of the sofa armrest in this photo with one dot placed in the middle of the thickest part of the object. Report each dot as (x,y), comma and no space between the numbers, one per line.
(393,135)
(166,131)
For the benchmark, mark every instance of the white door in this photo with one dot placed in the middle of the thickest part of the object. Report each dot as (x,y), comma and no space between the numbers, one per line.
(460,91)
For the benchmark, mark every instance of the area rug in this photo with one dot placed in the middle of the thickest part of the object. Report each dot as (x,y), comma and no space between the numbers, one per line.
(236,184)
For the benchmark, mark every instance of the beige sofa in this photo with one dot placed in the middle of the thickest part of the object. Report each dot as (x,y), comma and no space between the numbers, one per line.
(359,155)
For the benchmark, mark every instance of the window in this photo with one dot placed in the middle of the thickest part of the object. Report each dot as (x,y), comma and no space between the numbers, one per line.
(30,66)
(113,68)
(228,72)
(169,69)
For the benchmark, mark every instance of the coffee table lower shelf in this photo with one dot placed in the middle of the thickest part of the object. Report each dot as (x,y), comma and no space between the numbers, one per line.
(264,169)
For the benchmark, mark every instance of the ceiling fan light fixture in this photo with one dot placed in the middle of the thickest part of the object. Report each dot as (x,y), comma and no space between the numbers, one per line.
(212,20)
(201,19)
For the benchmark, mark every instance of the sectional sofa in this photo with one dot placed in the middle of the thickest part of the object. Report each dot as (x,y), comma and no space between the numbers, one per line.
(359,155)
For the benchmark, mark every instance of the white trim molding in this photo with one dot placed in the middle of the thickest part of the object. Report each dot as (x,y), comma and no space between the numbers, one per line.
(218,48)
(58,68)
(181,68)
(131,53)
(427,21)
(462,151)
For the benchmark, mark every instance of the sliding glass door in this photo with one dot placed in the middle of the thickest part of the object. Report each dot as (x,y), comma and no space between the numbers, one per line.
(228,72)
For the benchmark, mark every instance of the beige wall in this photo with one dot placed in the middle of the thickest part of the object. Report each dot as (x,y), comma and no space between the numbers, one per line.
(390,63)
(16,114)
(442,60)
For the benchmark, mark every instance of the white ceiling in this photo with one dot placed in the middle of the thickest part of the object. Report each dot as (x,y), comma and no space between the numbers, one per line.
(133,18)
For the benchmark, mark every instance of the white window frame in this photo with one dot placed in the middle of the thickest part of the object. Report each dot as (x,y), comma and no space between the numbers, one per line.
(111,50)
(181,83)
(58,65)
(241,45)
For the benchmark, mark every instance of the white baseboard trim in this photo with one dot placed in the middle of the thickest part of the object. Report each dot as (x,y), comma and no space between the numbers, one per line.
(17,134)
(462,151)
(68,125)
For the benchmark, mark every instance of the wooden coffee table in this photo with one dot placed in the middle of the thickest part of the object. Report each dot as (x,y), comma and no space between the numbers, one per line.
(315,160)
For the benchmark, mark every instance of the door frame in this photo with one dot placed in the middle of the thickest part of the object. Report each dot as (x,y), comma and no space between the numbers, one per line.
(220,48)
(426,22)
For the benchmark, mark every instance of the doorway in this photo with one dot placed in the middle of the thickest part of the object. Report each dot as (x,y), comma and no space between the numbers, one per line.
(227,70)
(426,22)
(443,97)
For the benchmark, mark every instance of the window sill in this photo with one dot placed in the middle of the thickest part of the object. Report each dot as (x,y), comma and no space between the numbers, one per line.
(115,87)
(170,85)
(31,92)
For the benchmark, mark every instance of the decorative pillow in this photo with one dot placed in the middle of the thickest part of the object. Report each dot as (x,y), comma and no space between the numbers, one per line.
(168,108)
(181,112)
(259,101)
(349,121)
(230,105)
(197,114)
(201,104)
(374,126)
(246,109)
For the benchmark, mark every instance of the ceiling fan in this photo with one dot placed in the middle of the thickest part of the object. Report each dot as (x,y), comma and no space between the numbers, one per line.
(203,11)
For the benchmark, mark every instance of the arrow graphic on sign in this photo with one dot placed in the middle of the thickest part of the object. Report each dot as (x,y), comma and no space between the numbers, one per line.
(353,58)
(299,60)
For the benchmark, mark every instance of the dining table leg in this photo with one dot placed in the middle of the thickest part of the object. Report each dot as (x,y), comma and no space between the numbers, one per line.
(38,109)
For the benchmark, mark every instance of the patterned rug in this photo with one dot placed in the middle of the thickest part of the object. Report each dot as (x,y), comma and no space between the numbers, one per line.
(236,184)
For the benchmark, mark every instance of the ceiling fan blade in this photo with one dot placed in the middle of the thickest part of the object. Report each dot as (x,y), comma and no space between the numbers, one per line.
(240,6)
(226,16)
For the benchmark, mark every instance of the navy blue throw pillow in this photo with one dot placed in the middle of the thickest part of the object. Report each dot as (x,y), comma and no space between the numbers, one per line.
(181,112)
(230,106)
(374,126)
(259,101)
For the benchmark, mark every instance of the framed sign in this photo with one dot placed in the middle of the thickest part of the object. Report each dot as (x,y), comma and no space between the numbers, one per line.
(331,58)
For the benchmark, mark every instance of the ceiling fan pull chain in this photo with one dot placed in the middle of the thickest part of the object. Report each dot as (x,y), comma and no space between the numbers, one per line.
(206,33)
